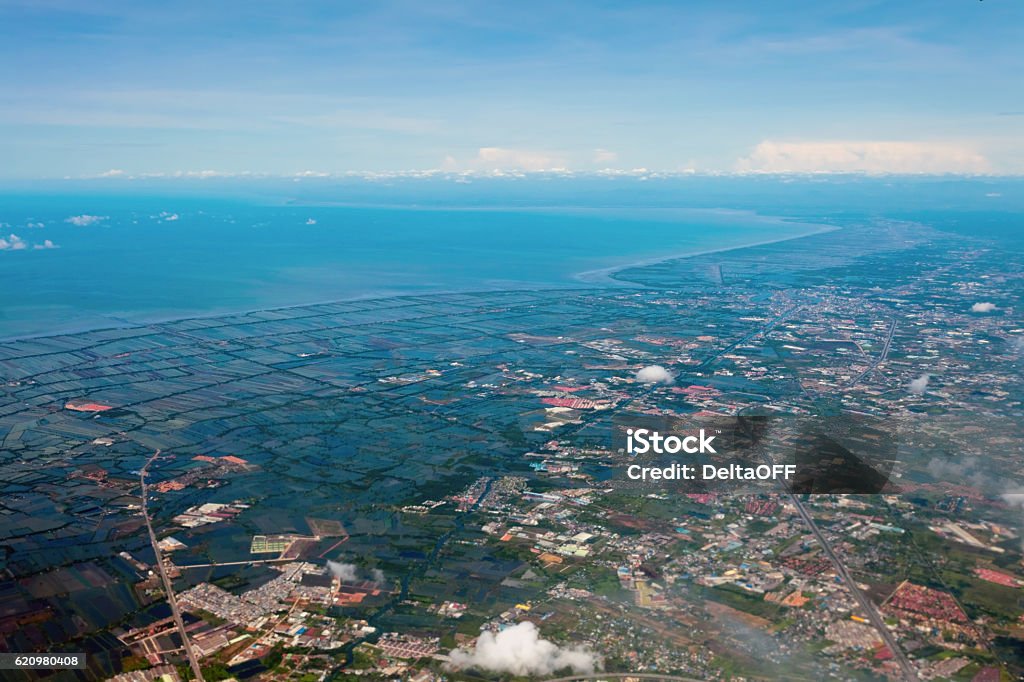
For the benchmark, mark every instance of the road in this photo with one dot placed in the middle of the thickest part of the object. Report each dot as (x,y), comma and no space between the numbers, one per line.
(236,563)
(909,672)
(168,588)
(881,356)
(763,329)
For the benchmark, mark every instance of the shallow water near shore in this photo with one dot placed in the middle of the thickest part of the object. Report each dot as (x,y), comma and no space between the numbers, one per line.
(134,260)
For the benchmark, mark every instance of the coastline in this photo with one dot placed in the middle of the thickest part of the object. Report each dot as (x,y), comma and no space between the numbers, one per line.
(606,276)
(588,280)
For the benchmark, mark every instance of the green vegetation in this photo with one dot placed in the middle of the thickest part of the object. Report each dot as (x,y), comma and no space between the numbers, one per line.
(133,663)
(214,672)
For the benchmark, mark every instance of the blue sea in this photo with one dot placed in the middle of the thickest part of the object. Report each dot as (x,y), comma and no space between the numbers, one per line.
(130,257)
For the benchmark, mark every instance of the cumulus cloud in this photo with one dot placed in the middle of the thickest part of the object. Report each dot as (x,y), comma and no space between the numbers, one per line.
(349,573)
(918,385)
(519,650)
(85,219)
(343,572)
(502,158)
(311,221)
(863,157)
(1014,499)
(199,174)
(12,243)
(654,374)
(35,226)
(973,470)
(983,307)
(113,173)
(15,243)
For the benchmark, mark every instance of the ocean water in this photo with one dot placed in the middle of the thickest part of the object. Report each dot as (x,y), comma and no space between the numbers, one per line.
(142,259)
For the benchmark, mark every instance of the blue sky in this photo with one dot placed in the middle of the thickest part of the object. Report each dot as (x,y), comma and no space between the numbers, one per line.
(329,87)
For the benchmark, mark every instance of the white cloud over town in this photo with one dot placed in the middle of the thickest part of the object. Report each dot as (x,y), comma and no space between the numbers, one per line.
(654,374)
(919,385)
(520,650)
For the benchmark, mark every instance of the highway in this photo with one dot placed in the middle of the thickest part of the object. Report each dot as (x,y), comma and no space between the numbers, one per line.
(909,672)
(235,563)
(168,588)
(881,356)
(746,338)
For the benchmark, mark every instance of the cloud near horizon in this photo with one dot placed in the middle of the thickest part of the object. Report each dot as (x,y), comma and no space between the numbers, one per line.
(85,220)
(505,159)
(12,243)
(15,243)
(876,157)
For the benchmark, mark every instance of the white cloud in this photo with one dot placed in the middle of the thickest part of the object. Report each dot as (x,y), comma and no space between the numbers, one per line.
(12,243)
(983,307)
(654,374)
(203,174)
(501,158)
(85,219)
(311,221)
(15,243)
(349,573)
(1014,499)
(918,385)
(605,156)
(863,157)
(35,226)
(519,650)
(345,572)
(112,173)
